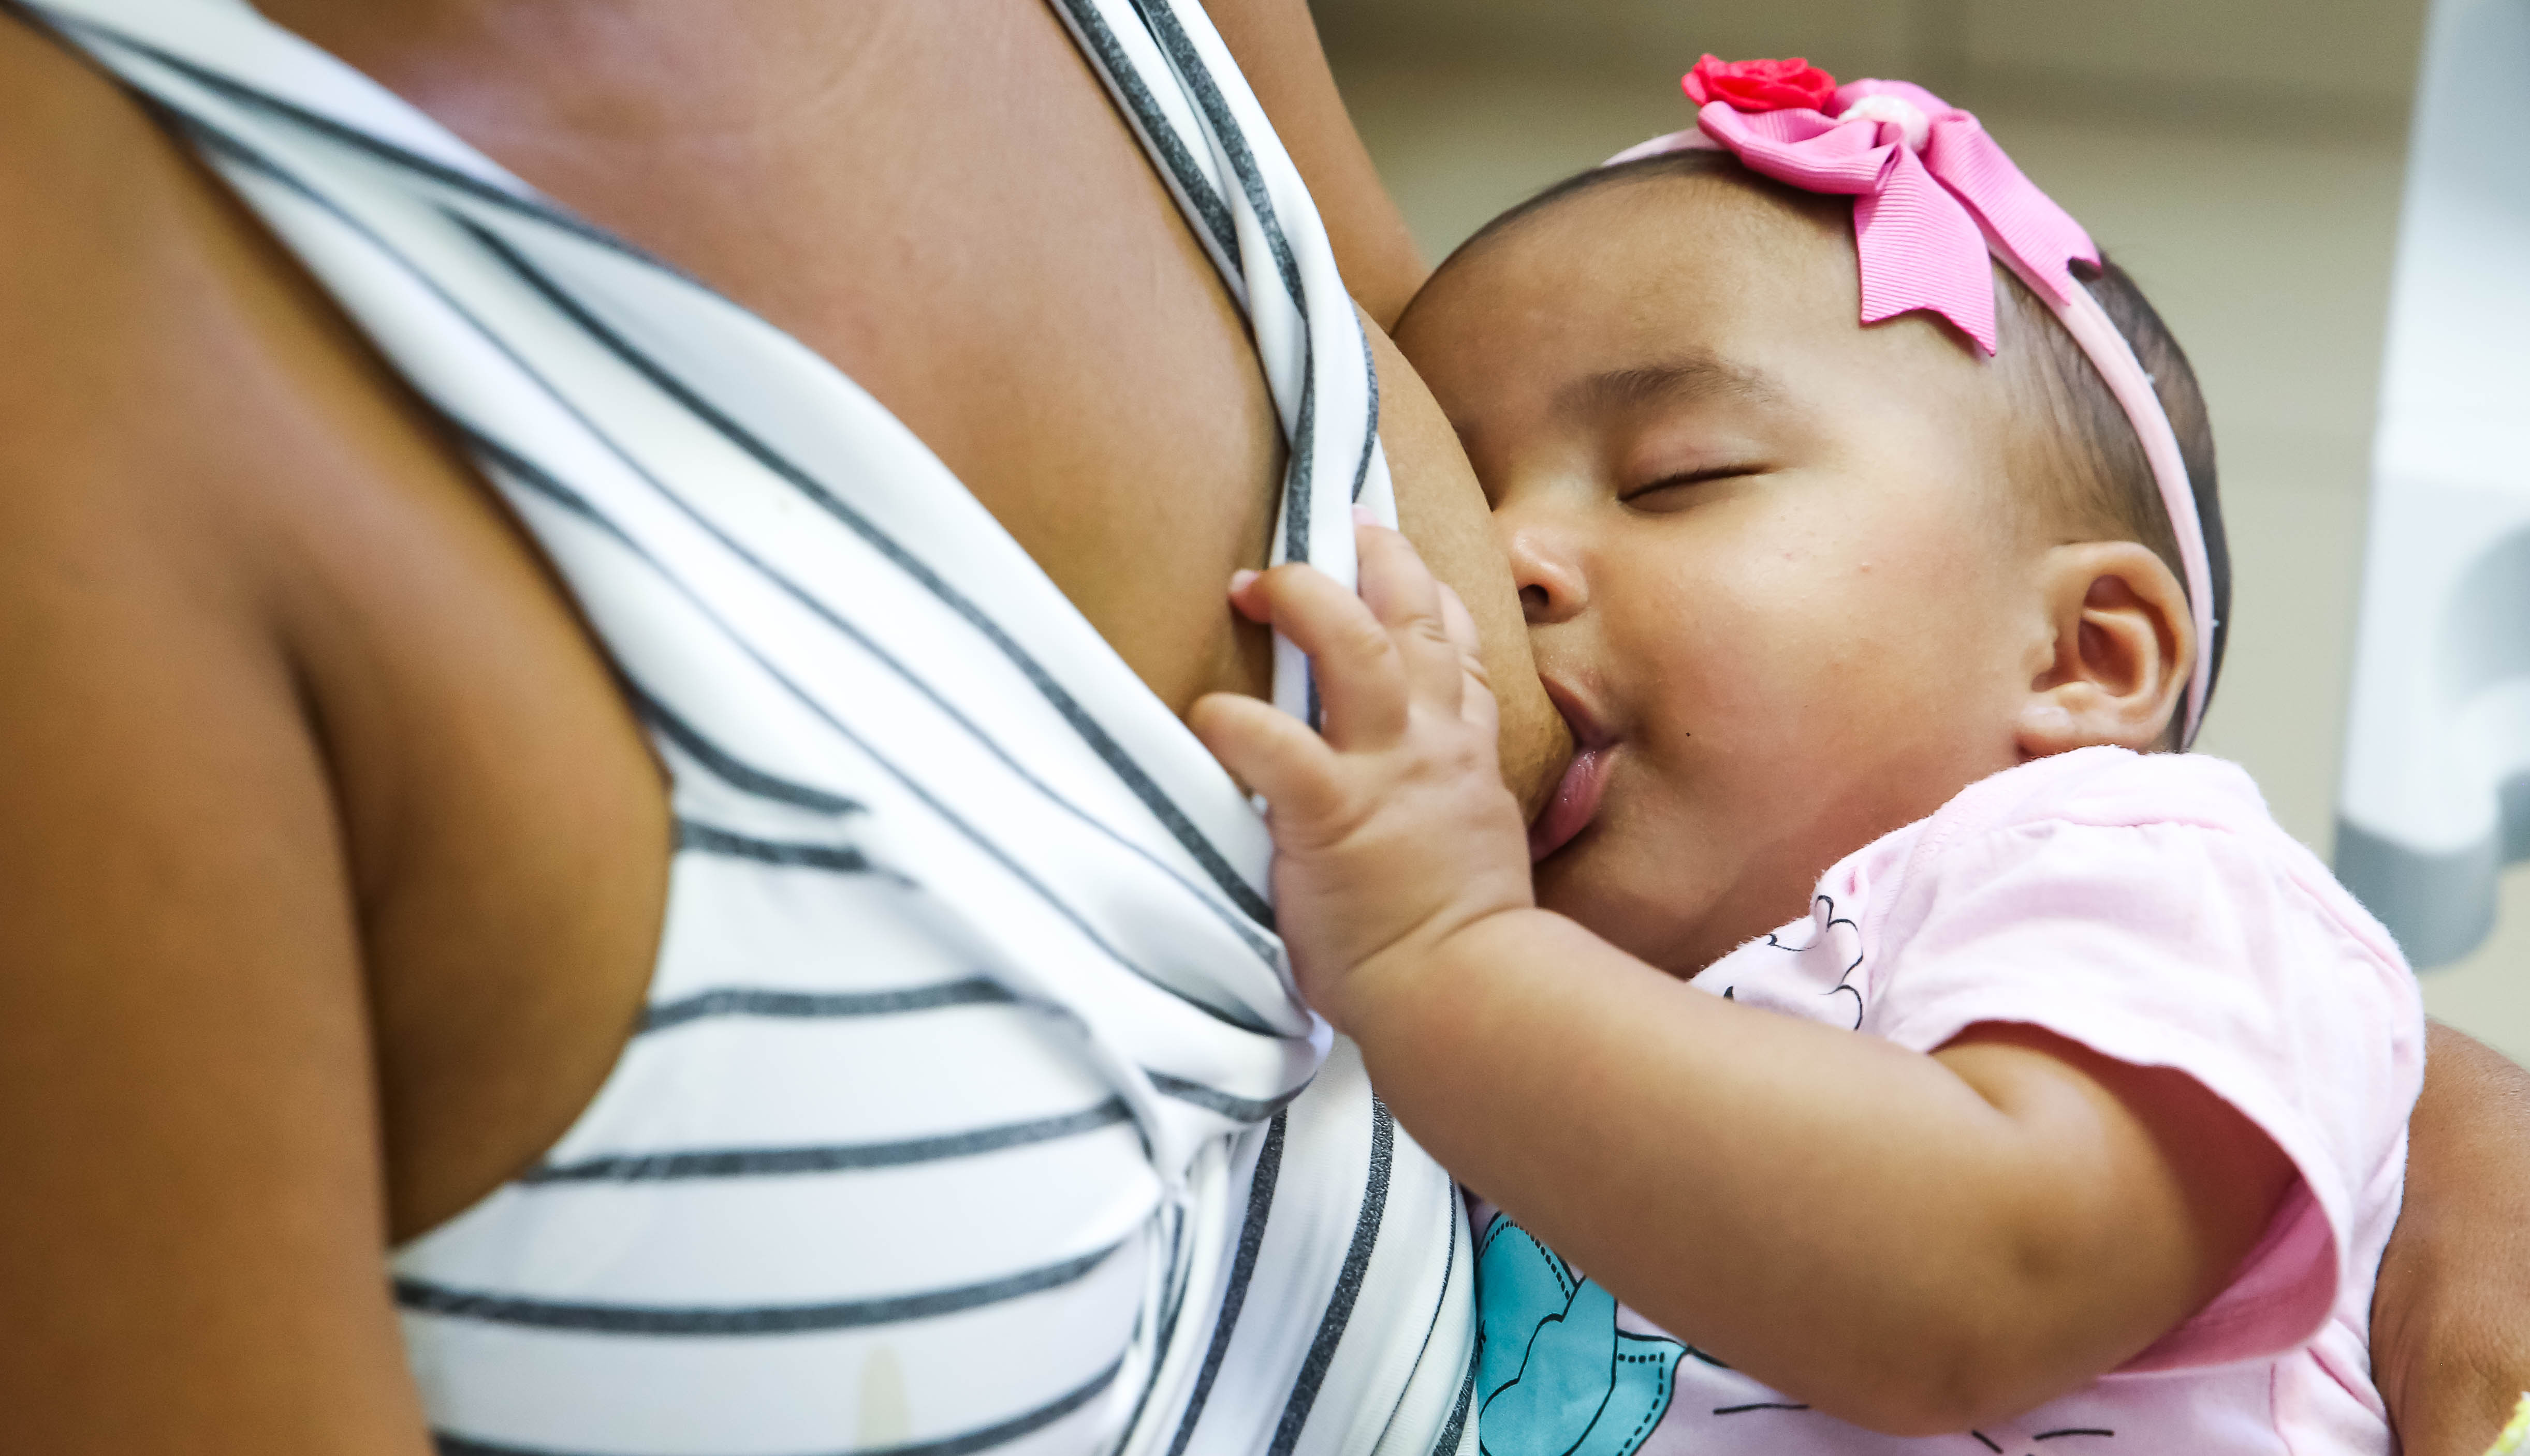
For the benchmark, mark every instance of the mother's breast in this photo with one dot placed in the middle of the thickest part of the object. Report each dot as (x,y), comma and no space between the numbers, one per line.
(938,196)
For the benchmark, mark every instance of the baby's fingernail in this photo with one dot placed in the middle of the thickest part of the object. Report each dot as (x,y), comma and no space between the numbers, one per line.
(1364,515)
(1239,581)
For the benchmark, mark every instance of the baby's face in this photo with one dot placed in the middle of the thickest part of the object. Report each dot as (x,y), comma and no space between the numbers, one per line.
(1773,570)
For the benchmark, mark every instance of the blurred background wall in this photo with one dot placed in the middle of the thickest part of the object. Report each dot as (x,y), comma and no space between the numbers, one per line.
(2242,158)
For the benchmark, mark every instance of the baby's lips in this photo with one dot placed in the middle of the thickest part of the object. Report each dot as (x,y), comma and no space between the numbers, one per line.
(1576,795)
(1574,805)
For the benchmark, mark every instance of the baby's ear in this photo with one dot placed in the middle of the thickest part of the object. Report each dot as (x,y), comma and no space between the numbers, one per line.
(2122,646)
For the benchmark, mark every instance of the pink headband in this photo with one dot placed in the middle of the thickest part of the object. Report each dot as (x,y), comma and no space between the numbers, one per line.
(1933,196)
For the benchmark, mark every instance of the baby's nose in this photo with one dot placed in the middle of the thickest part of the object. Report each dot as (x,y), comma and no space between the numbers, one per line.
(1546,572)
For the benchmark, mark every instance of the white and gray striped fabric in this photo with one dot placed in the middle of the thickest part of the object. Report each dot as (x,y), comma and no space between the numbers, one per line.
(973,1111)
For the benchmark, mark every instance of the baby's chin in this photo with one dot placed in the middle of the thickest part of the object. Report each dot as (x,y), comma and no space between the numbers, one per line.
(1584,882)
(1635,897)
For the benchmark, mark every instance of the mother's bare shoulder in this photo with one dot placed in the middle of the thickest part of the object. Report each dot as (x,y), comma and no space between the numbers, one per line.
(155,344)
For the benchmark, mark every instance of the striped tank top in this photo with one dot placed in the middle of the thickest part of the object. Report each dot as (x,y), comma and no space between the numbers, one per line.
(972,1109)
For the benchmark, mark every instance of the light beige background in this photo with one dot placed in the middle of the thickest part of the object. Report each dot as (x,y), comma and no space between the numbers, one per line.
(2241,157)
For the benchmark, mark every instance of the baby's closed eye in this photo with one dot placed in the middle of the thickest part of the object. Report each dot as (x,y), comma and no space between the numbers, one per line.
(1669,491)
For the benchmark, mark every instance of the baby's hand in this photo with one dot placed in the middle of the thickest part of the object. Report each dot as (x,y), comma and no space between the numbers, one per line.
(1394,830)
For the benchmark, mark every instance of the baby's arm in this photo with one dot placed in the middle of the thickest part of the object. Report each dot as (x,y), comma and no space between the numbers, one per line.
(1913,1243)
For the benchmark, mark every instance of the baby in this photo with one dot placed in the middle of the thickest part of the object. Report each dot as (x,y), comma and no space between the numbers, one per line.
(1866,528)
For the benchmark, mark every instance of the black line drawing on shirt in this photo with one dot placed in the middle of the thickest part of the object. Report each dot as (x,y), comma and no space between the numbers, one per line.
(1989,1443)
(1762,1405)
(1843,982)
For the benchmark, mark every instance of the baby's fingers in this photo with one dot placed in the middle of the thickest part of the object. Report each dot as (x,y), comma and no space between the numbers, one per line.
(1460,624)
(1361,688)
(1476,704)
(1270,751)
(1402,593)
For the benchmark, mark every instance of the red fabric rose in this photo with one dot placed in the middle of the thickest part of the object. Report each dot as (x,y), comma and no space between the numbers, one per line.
(1760,85)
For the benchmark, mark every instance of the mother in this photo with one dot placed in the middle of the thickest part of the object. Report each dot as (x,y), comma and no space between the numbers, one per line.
(512,766)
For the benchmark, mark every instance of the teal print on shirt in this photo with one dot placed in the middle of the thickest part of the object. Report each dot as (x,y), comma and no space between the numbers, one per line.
(1554,1376)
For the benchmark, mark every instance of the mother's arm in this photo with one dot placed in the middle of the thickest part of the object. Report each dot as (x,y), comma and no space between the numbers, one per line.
(2451,1321)
(1277,46)
(193,1225)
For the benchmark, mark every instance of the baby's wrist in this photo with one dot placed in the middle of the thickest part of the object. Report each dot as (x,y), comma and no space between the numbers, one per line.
(1391,993)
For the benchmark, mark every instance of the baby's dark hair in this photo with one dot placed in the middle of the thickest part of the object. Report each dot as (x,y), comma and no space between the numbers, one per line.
(2105,481)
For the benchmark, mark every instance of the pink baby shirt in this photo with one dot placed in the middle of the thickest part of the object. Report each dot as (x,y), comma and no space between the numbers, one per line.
(2149,908)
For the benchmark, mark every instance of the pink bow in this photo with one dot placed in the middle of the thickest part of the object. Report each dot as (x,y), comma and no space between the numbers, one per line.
(1926,209)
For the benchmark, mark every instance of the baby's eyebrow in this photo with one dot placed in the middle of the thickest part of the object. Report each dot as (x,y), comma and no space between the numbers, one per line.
(1690,377)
